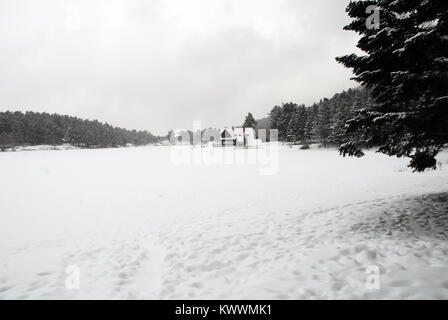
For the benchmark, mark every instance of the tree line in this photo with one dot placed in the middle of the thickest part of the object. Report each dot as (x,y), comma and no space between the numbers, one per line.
(34,128)
(322,122)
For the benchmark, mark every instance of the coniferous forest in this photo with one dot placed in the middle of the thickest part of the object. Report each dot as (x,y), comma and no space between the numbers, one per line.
(322,122)
(33,128)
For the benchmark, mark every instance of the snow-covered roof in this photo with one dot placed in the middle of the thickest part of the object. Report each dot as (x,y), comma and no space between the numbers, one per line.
(236,129)
(221,131)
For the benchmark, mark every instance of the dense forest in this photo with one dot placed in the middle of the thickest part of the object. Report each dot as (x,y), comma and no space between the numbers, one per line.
(323,122)
(31,128)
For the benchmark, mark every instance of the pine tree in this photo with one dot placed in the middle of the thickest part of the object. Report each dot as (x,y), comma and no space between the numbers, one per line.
(311,124)
(288,112)
(297,125)
(406,67)
(250,122)
(302,117)
(293,125)
(324,122)
(275,118)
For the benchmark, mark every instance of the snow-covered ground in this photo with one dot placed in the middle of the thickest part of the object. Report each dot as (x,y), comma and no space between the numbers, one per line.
(41,148)
(137,223)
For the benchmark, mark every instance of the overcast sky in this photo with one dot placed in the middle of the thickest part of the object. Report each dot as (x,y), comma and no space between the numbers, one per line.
(160,64)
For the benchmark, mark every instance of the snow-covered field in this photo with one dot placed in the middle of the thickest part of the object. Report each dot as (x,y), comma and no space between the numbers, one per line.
(136,223)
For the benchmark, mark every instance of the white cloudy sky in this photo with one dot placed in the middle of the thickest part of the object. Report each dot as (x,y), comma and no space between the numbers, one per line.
(160,64)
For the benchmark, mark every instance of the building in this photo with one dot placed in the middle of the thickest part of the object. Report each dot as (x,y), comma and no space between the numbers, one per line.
(227,138)
(239,137)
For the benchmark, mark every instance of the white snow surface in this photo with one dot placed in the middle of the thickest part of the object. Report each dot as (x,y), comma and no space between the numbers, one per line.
(138,226)
(41,148)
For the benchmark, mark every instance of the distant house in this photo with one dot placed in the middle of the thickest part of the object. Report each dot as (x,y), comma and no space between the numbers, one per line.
(227,138)
(239,137)
(244,137)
